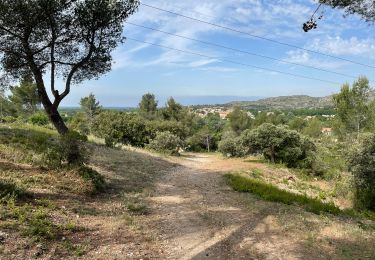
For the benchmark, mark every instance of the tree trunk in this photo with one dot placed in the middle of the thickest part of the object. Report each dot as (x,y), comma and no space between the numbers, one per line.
(272,154)
(57,120)
(358,130)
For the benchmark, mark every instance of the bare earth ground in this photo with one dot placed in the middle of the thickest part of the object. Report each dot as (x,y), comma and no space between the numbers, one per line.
(198,217)
(181,208)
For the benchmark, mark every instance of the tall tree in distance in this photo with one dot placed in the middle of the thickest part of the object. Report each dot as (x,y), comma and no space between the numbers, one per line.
(173,110)
(25,96)
(90,106)
(239,120)
(68,39)
(148,105)
(353,106)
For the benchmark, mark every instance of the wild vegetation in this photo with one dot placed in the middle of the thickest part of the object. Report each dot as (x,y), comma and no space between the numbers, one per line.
(100,183)
(313,145)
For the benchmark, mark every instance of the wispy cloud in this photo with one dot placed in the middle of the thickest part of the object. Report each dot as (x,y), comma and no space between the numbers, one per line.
(305,58)
(339,46)
(279,19)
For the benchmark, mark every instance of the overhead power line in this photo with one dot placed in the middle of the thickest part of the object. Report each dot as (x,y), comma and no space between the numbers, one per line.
(242,51)
(233,62)
(257,36)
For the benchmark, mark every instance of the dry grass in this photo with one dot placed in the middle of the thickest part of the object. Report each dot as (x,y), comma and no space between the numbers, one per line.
(337,190)
(58,215)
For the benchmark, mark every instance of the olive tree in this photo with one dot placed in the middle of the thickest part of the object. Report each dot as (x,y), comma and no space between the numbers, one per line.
(279,144)
(70,40)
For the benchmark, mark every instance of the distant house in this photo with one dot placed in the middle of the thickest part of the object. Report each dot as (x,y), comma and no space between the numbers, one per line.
(308,118)
(250,115)
(329,116)
(327,131)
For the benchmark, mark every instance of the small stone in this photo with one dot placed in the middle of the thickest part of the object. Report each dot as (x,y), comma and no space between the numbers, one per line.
(39,250)
(3,236)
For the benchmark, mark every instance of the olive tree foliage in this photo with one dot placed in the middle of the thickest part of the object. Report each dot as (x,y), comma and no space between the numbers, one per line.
(166,142)
(67,39)
(277,144)
(120,127)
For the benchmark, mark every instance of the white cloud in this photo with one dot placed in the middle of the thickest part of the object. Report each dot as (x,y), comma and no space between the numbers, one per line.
(305,58)
(278,19)
(339,46)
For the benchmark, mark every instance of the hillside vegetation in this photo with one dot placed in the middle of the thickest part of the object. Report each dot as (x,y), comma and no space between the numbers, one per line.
(289,102)
(173,183)
(286,102)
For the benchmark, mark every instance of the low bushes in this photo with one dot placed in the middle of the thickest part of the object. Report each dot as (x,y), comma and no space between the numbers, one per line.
(276,143)
(41,147)
(119,127)
(232,146)
(39,118)
(166,142)
(69,148)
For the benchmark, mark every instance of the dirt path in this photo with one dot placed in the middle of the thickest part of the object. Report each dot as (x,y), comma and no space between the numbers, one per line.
(195,215)
(199,217)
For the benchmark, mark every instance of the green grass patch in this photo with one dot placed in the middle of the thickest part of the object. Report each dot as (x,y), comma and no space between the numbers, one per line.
(31,220)
(270,192)
(138,208)
(76,249)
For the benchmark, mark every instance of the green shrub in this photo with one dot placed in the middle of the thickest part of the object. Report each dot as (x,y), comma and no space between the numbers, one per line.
(166,142)
(362,165)
(39,118)
(69,148)
(231,145)
(120,127)
(172,126)
(80,123)
(39,225)
(280,145)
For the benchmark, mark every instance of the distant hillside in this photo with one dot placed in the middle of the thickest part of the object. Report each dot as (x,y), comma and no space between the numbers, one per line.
(286,102)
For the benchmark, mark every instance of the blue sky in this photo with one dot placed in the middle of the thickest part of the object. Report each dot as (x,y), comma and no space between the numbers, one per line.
(139,68)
